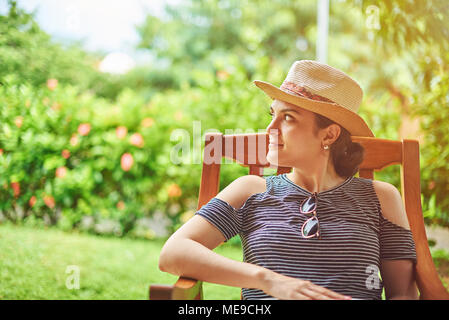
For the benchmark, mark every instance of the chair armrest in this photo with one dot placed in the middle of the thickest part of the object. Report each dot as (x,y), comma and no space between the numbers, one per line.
(183,289)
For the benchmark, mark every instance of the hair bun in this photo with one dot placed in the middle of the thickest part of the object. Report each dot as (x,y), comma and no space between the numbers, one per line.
(347,162)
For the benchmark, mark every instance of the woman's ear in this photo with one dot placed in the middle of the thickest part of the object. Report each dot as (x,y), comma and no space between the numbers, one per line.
(331,134)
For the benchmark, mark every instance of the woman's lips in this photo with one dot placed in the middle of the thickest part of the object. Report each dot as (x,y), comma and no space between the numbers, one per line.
(274,142)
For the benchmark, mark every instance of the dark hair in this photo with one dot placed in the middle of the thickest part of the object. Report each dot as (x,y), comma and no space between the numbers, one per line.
(346,155)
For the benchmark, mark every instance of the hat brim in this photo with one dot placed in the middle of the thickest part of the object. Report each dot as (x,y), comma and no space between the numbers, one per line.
(351,121)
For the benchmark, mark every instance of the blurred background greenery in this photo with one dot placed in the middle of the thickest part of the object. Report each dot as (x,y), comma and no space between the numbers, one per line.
(82,149)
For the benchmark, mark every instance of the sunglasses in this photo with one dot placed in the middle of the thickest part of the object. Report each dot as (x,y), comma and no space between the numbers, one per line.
(310,228)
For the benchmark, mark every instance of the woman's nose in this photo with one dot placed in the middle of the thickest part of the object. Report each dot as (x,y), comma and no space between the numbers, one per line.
(272,125)
(273,129)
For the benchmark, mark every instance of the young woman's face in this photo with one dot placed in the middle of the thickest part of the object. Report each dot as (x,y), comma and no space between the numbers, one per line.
(293,142)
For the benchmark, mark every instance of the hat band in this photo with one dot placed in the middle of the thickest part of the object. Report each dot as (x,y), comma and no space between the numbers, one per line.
(303,92)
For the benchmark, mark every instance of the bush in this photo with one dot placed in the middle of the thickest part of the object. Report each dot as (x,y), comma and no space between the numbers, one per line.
(67,155)
(75,160)
(432,108)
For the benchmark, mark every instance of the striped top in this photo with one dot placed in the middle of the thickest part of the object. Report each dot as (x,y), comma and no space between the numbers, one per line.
(354,235)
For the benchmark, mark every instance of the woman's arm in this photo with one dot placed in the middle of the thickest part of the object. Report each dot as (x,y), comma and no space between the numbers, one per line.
(398,278)
(397,275)
(188,252)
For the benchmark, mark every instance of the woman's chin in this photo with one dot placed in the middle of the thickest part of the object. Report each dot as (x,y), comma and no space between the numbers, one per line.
(273,158)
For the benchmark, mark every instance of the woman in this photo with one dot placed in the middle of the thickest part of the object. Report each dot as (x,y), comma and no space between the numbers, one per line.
(317,232)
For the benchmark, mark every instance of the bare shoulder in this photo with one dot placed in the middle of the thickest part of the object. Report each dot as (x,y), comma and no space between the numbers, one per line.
(391,203)
(239,190)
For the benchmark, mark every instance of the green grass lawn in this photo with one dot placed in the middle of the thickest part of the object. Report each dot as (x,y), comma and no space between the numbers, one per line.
(34,264)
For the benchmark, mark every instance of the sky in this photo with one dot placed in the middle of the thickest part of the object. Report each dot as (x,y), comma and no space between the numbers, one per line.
(105,25)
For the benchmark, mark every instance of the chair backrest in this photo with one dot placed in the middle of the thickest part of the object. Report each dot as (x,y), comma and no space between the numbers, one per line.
(250,150)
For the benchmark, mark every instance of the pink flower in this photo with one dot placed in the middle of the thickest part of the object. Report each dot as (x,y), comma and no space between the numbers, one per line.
(18,121)
(61,172)
(16,188)
(137,140)
(147,122)
(49,201)
(120,205)
(84,129)
(52,84)
(56,106)
(1,152)
(222,74)
(74,140)
(178,115)
(127,161)
(65,153)
(32,201)
(174,190)
(121,132)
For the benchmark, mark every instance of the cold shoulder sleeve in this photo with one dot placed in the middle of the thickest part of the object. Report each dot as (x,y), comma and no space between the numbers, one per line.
(223,216)
(396,242)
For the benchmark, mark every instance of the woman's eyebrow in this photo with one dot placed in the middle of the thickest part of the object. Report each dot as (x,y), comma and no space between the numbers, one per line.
(286,110)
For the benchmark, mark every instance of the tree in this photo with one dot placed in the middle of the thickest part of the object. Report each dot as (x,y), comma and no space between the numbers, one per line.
(29,55)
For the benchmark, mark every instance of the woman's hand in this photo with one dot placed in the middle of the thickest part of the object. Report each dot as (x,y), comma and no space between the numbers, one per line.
(288,288)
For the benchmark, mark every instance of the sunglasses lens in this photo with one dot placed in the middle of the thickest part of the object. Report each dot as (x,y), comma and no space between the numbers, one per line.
(310,228)
(308,205)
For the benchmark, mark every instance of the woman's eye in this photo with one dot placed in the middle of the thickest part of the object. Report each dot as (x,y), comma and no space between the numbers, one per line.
(286,116)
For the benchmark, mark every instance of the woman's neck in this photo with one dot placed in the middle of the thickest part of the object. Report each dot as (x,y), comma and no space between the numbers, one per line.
(316,181)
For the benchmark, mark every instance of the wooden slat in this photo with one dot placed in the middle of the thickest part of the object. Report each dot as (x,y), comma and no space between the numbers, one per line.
(281,170)
(246,149)
(187,289)
(429,284)
(379,153)
(366,173)
(249,150)
(210,175)
(256,170)
(183,289)
(161,292)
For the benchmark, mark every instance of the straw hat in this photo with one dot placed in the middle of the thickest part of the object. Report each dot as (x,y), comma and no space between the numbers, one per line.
(322,89)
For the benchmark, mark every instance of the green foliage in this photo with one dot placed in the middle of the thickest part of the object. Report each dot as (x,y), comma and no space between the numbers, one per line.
(61,158)
(433,213)
(435,116)
(198,32)
(417,23)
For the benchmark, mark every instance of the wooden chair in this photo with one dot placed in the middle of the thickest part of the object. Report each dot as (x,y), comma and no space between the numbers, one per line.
(250,150)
